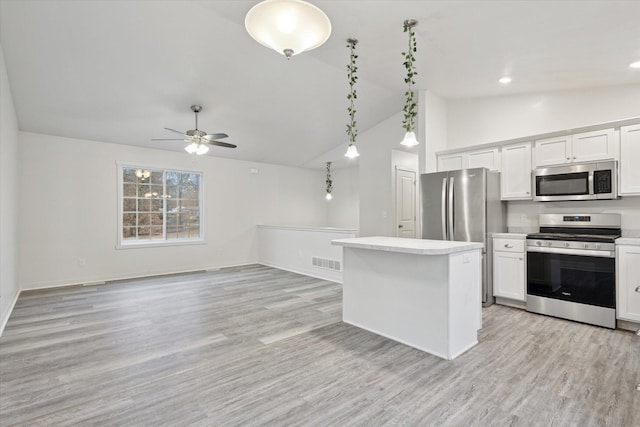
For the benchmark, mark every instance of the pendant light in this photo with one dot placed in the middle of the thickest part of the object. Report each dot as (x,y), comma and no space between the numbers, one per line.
(352,130)
(410,103)
(288,26)
(329,183)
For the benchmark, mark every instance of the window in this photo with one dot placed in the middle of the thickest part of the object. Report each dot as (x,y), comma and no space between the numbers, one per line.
(160,206)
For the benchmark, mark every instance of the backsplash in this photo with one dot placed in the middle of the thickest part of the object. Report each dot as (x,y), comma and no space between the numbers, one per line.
(522,216)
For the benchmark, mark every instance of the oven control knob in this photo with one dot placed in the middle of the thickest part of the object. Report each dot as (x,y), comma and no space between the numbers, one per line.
(598,246)
(549,243)
(538,243)
(566,244)
(586,246)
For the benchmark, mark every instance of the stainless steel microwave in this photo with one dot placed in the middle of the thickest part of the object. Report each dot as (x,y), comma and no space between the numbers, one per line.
(580,181)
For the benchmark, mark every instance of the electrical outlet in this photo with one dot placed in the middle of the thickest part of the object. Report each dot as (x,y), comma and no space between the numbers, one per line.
(82,262)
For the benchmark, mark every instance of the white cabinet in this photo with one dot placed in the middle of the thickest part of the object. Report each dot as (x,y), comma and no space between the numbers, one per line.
(580,147)
(515,176)
(450,162)
(485,158)
(509,267)
(628,282)
(629,167)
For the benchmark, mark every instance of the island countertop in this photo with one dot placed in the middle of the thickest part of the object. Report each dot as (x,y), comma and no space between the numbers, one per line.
(409,246)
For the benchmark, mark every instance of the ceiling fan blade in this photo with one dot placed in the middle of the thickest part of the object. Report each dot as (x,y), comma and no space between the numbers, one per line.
(213,136)
(177,131)
(221,144)
(169,139)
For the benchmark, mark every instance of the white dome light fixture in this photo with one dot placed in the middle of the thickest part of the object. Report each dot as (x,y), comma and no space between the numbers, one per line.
(289,27)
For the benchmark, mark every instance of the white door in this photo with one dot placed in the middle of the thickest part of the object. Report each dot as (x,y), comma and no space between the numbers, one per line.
(629,160)
(405,203)
(515,178)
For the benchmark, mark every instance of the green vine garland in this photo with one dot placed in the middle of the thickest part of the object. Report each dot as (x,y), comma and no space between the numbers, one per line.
(410,104)
(352,130)
(328,181)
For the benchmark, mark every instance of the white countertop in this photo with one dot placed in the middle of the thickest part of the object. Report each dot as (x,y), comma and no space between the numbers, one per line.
(318,229)
(410,246)
(509,236)
(633,241)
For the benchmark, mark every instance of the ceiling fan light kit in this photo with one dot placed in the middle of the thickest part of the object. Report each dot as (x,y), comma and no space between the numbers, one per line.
(289,27)
(410,105)
(199,140)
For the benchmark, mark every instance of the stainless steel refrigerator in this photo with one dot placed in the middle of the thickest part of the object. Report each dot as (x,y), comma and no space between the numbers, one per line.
(464,205)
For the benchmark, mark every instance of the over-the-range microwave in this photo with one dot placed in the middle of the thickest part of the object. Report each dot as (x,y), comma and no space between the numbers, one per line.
(579,181)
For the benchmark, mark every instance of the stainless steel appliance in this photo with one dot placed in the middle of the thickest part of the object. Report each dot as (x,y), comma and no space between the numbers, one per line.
(583,181)
(464,205)
(571,267)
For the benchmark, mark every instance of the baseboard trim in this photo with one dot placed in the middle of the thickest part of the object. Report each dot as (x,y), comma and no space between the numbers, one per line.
(5,318)
(88,282)
(304,273)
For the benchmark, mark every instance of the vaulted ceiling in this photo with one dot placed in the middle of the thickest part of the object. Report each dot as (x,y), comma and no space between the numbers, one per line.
(121,71)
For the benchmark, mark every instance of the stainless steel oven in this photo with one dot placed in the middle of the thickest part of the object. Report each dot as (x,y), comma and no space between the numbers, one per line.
(583,181)
(571,267)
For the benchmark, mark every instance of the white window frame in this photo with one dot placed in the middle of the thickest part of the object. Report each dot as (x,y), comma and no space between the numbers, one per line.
(133,244)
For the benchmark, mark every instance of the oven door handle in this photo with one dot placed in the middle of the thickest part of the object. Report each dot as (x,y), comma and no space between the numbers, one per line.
(580,252)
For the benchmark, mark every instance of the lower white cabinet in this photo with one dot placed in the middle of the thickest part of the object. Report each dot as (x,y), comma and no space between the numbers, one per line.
(509,267)
(628,282)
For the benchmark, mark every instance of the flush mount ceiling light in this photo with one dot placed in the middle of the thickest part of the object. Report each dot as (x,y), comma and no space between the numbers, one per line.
(352,130)
(635,64)
(505,80)
(410,103)
(288,26)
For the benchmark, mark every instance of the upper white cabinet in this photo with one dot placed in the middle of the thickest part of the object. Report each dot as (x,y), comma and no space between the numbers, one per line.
(629,167)
(580,147)
(450,162)
(515,176)
(628,282)
(485,158)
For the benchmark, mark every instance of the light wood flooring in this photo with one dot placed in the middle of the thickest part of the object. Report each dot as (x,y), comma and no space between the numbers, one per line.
(255,345)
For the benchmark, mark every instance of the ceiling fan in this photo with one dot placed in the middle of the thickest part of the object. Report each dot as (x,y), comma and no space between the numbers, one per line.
(199,140)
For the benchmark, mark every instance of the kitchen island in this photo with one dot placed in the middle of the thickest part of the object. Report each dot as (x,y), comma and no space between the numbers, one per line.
(423,293)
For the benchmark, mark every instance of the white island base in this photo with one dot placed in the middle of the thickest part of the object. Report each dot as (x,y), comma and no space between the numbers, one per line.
(423,293)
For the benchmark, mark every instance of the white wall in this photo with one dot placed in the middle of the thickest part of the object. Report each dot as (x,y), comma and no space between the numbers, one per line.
(343,209)
(498,118)
(434,119)
(68,210)
(376,176)
(292,249)
(8,197)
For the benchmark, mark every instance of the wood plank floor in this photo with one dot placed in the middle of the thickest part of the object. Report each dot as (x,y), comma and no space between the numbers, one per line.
(255,345)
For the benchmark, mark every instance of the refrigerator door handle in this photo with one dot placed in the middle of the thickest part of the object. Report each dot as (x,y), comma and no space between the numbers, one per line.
(450,209)
(443,220)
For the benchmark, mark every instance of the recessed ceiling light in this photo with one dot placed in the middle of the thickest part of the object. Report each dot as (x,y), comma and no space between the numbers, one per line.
(635,64)
(505,80)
